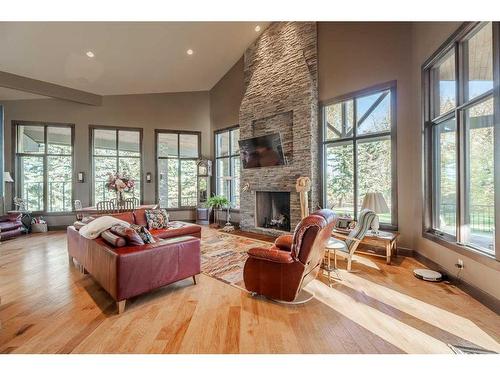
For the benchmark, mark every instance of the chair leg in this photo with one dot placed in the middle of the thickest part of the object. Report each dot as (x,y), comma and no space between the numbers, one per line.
(349,262)
(70,259)
(335,258)
(120,305)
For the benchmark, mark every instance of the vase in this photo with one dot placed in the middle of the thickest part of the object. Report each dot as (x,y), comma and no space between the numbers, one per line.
(120,198)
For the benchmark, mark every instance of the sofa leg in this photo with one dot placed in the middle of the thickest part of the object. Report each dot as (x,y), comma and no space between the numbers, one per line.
(82,269)
(120,305)
(194,280)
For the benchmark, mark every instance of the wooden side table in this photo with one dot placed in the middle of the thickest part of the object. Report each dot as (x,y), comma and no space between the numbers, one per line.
(387,240)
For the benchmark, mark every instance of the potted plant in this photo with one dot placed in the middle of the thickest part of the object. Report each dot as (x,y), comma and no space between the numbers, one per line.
(216,202)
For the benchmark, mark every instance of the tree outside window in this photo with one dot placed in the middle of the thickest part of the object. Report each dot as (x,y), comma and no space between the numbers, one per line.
(44,166)
(177,155)
(227,165)
(358,151)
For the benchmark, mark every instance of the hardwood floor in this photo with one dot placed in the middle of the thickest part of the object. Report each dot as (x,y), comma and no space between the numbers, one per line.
(49,307)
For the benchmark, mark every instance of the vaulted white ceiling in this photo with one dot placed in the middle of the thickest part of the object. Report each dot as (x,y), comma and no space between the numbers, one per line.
(130,57)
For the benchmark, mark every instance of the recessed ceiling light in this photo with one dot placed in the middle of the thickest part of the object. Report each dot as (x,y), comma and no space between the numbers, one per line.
(257,28)
(90,54)
(189,51)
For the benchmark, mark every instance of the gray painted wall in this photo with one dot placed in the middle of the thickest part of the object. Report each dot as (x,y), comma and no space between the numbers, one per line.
(177,111)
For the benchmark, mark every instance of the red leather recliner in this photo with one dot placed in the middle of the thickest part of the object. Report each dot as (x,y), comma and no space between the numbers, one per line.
(293,261)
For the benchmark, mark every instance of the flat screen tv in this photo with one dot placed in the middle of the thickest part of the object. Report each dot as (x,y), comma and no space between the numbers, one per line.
(264,151)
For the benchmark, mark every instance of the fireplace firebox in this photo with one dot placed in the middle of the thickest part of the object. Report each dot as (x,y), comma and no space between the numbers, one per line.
(272,210)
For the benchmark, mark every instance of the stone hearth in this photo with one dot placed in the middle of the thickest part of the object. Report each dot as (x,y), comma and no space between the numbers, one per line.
(281,95)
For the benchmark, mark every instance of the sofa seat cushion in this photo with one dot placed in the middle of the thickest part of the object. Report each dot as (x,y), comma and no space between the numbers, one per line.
(176,229)
(6,226)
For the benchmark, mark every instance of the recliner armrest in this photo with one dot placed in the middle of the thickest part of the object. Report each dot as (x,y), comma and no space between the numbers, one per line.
(272,255)
(284,242)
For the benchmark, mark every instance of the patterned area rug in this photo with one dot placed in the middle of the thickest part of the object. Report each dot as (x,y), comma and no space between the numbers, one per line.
(223,255)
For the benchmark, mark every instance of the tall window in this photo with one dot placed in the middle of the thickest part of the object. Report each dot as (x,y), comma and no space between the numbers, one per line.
(460,139)
(176,157)
(359,151)
(44,166)
(115,150)
(227,169)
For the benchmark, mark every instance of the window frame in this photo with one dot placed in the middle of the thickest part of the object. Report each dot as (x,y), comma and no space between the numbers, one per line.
(157,158)
(230,158)
(92,128)
(390,86)
(16,164)
(457,43)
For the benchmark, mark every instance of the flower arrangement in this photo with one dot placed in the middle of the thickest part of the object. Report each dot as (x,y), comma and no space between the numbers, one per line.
(119,183)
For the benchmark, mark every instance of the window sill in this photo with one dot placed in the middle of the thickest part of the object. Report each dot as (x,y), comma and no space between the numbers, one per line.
(479,256)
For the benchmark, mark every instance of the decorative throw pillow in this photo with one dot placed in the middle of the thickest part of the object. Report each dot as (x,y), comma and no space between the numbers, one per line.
(130,235)
(157,219)
(144,233)
(113,239)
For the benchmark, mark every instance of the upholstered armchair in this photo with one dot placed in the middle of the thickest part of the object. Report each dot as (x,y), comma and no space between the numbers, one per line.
(350,244)
(282,271)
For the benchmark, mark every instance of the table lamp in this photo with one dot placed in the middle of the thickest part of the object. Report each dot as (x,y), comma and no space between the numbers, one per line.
(376,203)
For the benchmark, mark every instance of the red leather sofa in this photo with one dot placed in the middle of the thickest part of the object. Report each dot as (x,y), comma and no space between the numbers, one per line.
(10,226)
(128,271)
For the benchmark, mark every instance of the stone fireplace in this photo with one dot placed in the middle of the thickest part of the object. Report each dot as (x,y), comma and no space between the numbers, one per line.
(272,210)
(281,96)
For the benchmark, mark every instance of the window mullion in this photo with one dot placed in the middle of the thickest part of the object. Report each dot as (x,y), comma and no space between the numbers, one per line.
(45,172)
(496,117)
(355,158)
(462,177)
(179,171)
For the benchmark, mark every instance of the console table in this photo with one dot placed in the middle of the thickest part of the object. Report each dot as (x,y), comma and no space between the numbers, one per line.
(386,240)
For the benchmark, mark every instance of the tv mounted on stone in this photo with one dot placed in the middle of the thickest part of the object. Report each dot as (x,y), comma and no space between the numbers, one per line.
(263,151)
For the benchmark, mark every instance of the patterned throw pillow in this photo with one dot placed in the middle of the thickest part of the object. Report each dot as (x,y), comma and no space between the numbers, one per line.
(144,233)
(157,219)
(130,235)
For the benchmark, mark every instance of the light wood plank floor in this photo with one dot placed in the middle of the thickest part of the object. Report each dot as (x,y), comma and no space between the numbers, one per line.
(49,307)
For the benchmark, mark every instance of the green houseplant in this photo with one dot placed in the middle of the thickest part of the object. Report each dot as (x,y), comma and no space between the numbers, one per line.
(216,202)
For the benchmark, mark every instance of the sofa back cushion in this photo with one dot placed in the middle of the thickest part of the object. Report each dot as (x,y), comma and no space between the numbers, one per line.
(131,236)
(140,217)
(127,216)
